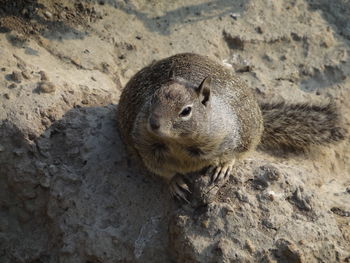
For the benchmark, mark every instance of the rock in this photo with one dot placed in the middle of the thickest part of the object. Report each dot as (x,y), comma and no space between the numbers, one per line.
(301,200)
(249,246)
(46,87)
(264,175)
(327,41)
(26,75)
(16,76)
(235,15)
(18,151)
(7,96)
(69,192)
(43,76)
(63,15)
(295,36)
(340,212)
(288,252)
(48,14)
(24,12)
(219,230)
(105,67)
(234,42)
(259,30)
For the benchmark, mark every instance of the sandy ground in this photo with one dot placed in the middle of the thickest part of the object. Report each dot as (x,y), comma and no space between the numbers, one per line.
(69,192)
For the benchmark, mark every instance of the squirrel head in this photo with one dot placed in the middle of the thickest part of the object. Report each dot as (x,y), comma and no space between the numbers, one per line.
(179,110)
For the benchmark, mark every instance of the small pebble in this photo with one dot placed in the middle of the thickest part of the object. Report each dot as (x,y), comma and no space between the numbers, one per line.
(105,67)
(63,15)
(16,76)
(48,14)
(7,96)
(340,212)
(45,122)
(45,181)
(43,76)
(24,12)
(46,87)
(12,86)
(21,66)
(250,247)
(18,151)
(3,69)
(235,15)
(205,223)
(259,30)
(26,74)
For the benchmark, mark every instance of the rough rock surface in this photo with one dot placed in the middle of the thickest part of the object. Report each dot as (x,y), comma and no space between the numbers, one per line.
(70,193)
(264,214)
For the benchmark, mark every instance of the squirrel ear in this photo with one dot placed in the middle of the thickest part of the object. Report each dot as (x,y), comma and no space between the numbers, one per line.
(204,91)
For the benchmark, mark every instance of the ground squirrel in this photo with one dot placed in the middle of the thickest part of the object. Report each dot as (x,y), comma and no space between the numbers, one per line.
(187,112)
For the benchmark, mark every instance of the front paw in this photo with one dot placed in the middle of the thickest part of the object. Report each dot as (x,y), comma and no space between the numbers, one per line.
(221,173)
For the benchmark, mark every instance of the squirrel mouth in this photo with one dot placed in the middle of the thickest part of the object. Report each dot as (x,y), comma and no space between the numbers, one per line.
(160,133)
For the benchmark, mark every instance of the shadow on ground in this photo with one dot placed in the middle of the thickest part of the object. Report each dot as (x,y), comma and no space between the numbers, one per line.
(189,14)
(92,201)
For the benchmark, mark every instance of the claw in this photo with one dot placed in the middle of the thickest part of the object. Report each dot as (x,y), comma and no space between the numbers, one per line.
(179,189)
(222,172)
(216,174)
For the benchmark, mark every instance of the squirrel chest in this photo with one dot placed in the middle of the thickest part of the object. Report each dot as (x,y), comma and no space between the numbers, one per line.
(169,157)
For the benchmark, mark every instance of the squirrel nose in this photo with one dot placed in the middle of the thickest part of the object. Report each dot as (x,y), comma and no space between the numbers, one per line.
(154,123)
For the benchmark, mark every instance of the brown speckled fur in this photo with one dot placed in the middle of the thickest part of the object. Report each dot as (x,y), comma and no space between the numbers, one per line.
(294,127)
(133,113)
(286,126)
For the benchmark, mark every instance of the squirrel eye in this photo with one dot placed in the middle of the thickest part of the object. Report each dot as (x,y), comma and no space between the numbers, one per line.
(185,112)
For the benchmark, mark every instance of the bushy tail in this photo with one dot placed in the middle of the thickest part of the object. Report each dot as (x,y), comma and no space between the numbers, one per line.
(295,127)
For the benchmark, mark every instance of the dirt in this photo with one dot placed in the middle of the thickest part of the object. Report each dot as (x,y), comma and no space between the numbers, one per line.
(69,192)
